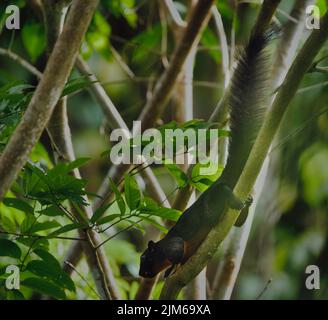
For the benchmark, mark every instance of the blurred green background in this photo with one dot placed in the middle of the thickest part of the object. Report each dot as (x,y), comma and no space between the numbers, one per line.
(290,230)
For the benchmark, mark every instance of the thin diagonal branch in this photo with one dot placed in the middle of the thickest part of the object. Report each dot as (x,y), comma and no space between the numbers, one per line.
(174,14)
(21,61)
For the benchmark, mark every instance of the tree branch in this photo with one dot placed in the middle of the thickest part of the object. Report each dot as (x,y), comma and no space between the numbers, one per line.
(174,14)
(253,166)
(223,44)
(22,62)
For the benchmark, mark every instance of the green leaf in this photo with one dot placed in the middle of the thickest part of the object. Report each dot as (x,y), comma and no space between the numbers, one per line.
(15,295)
(9,249)
(44,269)
(65,229)
(52,211)
(66,168)
(44,287)
(57,185)
(33,39)
(101,23)
(100,212)
(177,173)
(76,85)
(202,182)
(164,213)
(145,43)
(48,258)
(125,8)
(34,243)
(118,196)
(108,219)
(27,223)
(132,192)
(18,204)
(7,224)
(156,224)
(149,204)
(98,41)
(41,226)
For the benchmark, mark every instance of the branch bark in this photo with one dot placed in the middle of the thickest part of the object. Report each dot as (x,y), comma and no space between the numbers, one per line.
(253,166)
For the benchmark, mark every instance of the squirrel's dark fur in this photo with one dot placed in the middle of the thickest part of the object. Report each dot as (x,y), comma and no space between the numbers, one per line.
(247,94)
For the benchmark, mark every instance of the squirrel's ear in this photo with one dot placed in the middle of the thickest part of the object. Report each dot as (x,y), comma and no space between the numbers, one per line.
(151,244)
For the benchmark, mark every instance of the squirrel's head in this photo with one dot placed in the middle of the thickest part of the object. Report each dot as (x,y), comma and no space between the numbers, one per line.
(153,260)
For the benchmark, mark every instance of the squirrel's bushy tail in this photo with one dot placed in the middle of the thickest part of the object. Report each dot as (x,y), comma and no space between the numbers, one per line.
(248,93)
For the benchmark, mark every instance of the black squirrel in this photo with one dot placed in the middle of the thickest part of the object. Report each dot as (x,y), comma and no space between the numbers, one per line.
(247,95)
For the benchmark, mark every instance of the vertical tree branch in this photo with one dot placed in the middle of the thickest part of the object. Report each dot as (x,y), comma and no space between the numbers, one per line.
(223,44)
(196,289)
(184,111)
